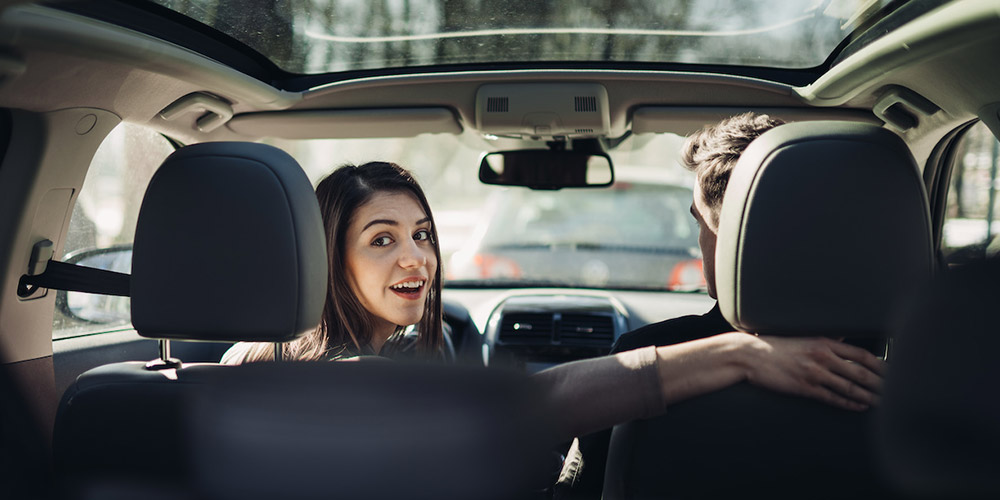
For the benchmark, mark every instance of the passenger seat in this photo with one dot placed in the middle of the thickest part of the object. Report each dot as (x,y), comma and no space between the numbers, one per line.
(229,246)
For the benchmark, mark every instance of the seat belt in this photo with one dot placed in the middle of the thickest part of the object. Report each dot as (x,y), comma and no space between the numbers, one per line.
(71,277)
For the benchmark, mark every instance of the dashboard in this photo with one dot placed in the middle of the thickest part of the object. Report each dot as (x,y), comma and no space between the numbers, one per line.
(534,328)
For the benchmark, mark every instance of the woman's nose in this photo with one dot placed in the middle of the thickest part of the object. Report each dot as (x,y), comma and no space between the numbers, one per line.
(411,256)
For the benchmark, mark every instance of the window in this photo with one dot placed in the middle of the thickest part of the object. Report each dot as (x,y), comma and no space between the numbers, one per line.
(971,226)
(104,218)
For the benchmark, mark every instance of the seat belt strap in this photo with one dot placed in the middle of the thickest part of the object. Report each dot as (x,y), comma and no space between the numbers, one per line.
(74,278)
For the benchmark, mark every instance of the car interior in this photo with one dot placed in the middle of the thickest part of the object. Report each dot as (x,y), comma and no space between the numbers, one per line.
(157,168)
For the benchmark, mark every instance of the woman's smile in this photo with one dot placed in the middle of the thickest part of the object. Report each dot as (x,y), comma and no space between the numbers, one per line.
(410,288)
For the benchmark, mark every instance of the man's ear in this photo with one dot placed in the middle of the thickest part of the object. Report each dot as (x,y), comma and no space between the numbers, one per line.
(713,222)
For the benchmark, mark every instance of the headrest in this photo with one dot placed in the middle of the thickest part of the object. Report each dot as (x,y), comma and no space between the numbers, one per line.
(229,246)
(824,228)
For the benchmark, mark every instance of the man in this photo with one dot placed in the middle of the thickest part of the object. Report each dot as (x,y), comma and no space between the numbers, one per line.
(711,154)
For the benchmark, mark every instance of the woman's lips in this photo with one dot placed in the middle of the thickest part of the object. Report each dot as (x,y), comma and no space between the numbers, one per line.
(410,288)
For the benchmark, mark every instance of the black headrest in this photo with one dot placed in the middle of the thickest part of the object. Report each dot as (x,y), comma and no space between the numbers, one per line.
(824,227)
(229,245)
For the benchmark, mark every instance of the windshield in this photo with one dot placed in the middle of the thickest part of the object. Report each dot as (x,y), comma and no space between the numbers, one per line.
(637,234)
(627,236)
(321,36)
(642,217)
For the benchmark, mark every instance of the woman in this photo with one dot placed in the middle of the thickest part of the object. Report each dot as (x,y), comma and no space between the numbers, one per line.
(383,270)
(384,275)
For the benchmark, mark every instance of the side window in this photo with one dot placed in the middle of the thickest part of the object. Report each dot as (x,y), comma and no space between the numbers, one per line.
(972,219)
(102,226)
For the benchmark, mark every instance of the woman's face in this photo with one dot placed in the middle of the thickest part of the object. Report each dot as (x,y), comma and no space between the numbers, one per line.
(390,258)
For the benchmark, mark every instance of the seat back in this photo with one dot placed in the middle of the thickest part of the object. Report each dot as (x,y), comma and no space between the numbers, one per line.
(229,246)
(824,229)
(369,429)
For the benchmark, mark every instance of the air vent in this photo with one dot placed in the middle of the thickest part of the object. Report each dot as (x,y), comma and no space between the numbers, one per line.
(526,328)
(586,329)
(585,131)
(585,104)
(496,104)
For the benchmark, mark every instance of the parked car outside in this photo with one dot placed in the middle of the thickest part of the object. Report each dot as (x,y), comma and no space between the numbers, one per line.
(634,235)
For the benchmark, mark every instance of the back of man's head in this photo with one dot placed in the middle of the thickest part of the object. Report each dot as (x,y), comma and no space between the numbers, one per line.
(712,152)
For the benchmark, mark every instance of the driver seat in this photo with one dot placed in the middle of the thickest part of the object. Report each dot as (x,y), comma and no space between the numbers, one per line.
(824,230)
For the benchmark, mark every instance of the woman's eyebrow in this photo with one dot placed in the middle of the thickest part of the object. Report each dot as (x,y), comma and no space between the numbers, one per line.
(388,222)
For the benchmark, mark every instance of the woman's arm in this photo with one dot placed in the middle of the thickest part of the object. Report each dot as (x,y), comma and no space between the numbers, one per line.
(830,371)
(598,393)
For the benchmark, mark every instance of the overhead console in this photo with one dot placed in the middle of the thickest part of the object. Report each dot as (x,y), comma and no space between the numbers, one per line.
(543,110)
(533,332)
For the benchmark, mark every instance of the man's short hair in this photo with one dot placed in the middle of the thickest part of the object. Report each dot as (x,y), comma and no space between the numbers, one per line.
(711,153)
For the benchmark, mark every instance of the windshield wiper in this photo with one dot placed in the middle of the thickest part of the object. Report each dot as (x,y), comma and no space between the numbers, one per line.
(597,247)
(604,247)
(507,283)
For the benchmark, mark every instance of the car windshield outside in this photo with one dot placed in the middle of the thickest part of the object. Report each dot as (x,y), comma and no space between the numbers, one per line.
(323,36)
(632,235)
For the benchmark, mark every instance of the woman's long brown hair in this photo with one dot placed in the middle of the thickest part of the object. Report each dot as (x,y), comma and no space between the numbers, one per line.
(346,327)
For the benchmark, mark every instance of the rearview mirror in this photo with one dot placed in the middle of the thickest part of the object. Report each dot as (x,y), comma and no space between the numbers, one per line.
(546,169)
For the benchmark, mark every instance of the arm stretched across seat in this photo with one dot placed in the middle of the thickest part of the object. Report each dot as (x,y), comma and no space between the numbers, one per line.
(594,394)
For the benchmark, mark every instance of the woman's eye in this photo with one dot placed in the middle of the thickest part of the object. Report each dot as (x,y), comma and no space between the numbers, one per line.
(382,241)
(422,235)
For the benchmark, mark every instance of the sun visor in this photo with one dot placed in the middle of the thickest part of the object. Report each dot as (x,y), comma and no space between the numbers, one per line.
(685,120)
(347,123)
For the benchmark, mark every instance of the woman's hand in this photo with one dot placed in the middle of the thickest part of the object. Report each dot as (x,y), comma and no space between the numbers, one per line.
(820,368)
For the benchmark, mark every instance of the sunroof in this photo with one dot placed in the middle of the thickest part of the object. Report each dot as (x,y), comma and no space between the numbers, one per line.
(321,36)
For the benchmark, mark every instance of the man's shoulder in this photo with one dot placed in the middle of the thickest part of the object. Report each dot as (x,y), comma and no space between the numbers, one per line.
(674,331)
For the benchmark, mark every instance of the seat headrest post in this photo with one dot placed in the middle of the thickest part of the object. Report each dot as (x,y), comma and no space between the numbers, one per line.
(164,362)
(277,351)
